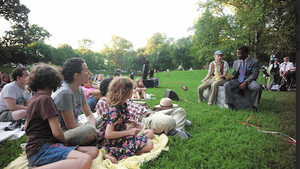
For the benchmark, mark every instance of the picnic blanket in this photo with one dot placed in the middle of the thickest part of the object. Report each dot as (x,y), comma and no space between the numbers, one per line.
(9,135)
(133,162)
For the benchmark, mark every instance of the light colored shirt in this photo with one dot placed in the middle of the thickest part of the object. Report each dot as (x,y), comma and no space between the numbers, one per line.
(285,66)
(13,90)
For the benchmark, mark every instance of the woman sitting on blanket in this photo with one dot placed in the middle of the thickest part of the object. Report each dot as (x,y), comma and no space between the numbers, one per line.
(119,142)
(46,143)
(139,89)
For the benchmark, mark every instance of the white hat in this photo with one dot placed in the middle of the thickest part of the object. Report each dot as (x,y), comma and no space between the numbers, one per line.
(218,52)
(166,103)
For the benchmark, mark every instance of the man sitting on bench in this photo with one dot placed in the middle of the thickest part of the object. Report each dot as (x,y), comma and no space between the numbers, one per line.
(245,71)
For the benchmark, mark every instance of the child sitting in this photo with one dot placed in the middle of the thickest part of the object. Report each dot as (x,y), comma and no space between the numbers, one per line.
(46,144)
(119,142)
(92,95)
(140,89)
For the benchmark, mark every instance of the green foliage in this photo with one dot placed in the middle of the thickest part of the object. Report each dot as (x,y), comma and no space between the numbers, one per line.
(12,10)
(209,37)
(22,36)
(116,52)
(266,27)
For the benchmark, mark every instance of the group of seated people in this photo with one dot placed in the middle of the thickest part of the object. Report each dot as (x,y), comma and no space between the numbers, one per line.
(245,71)
(55,138)
(283,74)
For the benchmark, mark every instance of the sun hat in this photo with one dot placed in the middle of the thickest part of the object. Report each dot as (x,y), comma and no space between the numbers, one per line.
(166,103)
(218,52)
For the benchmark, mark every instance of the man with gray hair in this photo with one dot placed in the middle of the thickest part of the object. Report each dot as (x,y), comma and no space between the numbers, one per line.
(218,69)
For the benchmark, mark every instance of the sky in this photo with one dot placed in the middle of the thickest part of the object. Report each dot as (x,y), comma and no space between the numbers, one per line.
(135,20)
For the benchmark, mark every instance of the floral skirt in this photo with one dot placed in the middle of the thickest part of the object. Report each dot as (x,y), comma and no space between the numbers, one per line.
(124,147)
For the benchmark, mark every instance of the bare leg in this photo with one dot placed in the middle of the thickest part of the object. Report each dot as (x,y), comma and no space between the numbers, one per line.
(19,114)
(147,148)
(143,95)
(74,160)
(90,150)
(111,158)
(149,133)
(137,95)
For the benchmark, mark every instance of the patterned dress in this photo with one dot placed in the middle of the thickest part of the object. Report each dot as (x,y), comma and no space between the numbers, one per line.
(123,147)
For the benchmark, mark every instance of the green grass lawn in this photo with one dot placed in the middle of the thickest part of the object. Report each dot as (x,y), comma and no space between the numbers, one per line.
(218,141)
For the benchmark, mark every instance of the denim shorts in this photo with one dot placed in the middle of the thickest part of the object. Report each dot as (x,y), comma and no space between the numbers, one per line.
(50,154)
(92,102)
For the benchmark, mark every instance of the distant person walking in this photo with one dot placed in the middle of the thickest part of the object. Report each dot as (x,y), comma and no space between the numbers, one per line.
(131,74)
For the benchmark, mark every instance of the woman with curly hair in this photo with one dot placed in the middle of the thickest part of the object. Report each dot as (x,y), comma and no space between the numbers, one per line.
(119,142)
(46,143)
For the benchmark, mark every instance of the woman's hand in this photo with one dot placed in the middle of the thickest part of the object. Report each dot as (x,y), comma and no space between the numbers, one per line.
(134,131)
(133,122)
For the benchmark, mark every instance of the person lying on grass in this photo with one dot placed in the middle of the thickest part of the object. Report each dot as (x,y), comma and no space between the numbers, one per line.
(139,89)
(46,143)
(117,141)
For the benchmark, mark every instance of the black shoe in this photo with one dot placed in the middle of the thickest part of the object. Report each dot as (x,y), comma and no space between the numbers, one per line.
(188,134)
(255,110)
(231,107)
(13,125)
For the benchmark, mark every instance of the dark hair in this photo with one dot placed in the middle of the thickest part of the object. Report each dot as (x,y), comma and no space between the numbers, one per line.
(44,76)
(244,49)
(18,71)
(4,75)
(104,85)
(70,67)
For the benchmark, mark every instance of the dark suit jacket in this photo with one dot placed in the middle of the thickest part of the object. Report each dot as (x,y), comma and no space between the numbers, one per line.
(251,71)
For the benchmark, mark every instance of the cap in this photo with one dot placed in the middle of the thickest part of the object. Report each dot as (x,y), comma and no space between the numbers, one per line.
(218,52)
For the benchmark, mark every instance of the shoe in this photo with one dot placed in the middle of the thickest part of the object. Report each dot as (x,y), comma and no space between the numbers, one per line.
(188,123)
(13,125)
(209,103)
(188,134)
(231,107)
(255,110)
(179,133)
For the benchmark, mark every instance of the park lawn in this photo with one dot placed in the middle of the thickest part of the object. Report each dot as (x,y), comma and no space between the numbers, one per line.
(219,140)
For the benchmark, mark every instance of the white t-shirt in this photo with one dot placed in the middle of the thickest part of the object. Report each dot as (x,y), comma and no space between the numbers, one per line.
(13,90)
(285,66)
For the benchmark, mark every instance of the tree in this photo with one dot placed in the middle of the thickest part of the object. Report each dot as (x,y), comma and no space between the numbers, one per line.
(154,42)
(182,53)
(64,52)
(22,35)
(85,44)
(209,36)
(40,52)
(12,10)
(116,52)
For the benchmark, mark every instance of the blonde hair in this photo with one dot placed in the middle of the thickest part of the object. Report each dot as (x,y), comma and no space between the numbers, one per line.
(137,82)
(118,90)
